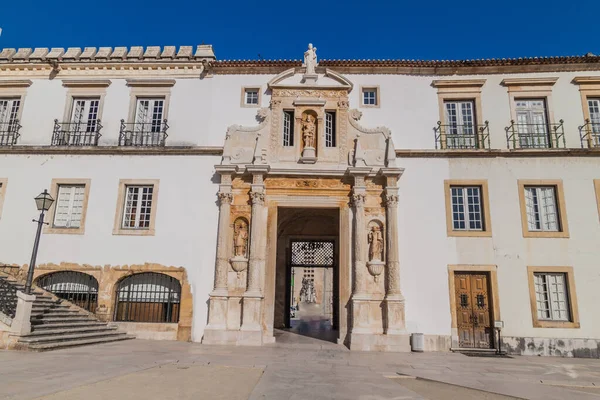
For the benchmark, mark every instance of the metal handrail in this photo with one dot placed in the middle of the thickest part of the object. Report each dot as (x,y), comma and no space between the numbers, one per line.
(76,133)
(9,132)
(537,136)
(8,298)
(452,136)
(143,133)
(591,137)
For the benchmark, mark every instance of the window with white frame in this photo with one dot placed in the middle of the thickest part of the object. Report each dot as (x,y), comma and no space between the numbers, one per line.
(9,113)
(532,123)
(369,97)
(69,206)
(251,96)
(330,138)
(137,209)
(149,114)
(594,110)
(467,208)
(84,116)
(551,296)
(542,209)
(288,128)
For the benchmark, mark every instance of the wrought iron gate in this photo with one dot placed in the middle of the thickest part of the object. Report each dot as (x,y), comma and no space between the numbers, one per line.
(78,288)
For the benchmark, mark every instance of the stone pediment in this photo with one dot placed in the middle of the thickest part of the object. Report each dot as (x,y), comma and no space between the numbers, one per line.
(323,79)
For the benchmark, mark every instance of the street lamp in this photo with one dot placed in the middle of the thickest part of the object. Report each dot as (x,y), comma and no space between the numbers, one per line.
(43,203)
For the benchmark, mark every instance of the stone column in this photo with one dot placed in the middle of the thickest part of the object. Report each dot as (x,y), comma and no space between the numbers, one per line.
(252,302)
(394,301)
(21,323)
(360,297)
(217,317)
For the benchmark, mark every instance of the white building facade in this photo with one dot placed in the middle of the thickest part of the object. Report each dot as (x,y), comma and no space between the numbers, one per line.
(447,197)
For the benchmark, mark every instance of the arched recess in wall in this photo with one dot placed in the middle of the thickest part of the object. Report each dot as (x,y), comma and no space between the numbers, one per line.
(148,297)
(77,287)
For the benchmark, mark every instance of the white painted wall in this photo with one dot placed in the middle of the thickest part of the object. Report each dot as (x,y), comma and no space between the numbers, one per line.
(199,113)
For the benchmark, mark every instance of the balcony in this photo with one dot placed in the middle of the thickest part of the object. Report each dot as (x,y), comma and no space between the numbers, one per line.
(535,136)
(466,136)
(589,133)
(143,133)
(9,132)
(82,133)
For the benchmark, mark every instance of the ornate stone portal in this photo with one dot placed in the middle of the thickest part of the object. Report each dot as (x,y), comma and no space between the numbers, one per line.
(354,173)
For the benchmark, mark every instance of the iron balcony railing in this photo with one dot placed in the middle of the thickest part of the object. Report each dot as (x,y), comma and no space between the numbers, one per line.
(535,136)
(589,134)
(9,132)
(8,298)
(143,133)
(76,133)
(465,136)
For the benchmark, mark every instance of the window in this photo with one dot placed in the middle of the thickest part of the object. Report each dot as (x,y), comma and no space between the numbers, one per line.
(148,297)
(9,121)
(136,207)
(370,97)
(3,183)
(85,114)
(543,210)
(149,115)
(542,214)
(460,124)
(467,210)
(553,297)
(288,128)
(594,113)
(532,123)
(250,97)
(330,129)
(69,206)
(67,213)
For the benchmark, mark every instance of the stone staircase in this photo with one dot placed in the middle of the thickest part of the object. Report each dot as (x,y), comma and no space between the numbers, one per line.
(57,324)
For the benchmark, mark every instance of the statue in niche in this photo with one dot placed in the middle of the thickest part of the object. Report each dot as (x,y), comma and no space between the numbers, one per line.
(310,59)
(375,244)
(240,240)
(309,130)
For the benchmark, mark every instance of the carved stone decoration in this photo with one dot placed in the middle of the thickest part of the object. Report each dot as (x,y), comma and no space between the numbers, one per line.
(391,200)
(376,245)
(373,146)
(239,261)
(309,134)
(310,59)
(225,198)
(358,200)
(243,144)
(375,238)
(257,198)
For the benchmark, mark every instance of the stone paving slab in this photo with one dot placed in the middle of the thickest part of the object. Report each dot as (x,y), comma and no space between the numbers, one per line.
(313,373)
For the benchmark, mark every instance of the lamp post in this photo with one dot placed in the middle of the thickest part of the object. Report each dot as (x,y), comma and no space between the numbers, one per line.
(43,203)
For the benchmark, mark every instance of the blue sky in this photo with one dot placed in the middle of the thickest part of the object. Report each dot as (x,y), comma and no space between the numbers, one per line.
(375,29)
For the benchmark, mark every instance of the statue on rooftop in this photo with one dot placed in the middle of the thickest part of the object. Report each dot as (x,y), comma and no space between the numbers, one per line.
(310,59)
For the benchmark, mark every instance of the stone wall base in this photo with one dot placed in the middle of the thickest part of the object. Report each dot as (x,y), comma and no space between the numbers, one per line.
(148,330)
(233,338)
(530,346)
(379,342)
(437,342)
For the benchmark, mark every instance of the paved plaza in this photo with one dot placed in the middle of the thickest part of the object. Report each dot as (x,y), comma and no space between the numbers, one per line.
(302,368)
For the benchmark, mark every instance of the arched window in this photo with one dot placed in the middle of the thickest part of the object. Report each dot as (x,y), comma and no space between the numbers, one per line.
(78,288)
(148,297)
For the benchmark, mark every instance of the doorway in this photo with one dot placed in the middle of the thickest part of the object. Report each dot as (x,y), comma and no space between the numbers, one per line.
(307,279)
(473,310)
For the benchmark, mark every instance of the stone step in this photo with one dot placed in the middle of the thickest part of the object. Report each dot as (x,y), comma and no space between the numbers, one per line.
(74,318)
(65,325)
(67,330)
(50,307)
(69,337)
(56,313)
(74,343)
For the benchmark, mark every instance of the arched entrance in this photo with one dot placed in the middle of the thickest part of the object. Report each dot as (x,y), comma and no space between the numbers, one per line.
(78,288)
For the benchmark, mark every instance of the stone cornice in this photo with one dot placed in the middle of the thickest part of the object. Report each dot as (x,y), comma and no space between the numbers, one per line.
(529,81)
(587,80)
(8,83)
(458,83)
(116,150)
(86,82)
(151,82)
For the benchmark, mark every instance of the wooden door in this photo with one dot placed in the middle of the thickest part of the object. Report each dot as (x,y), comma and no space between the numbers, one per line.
(473,310)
